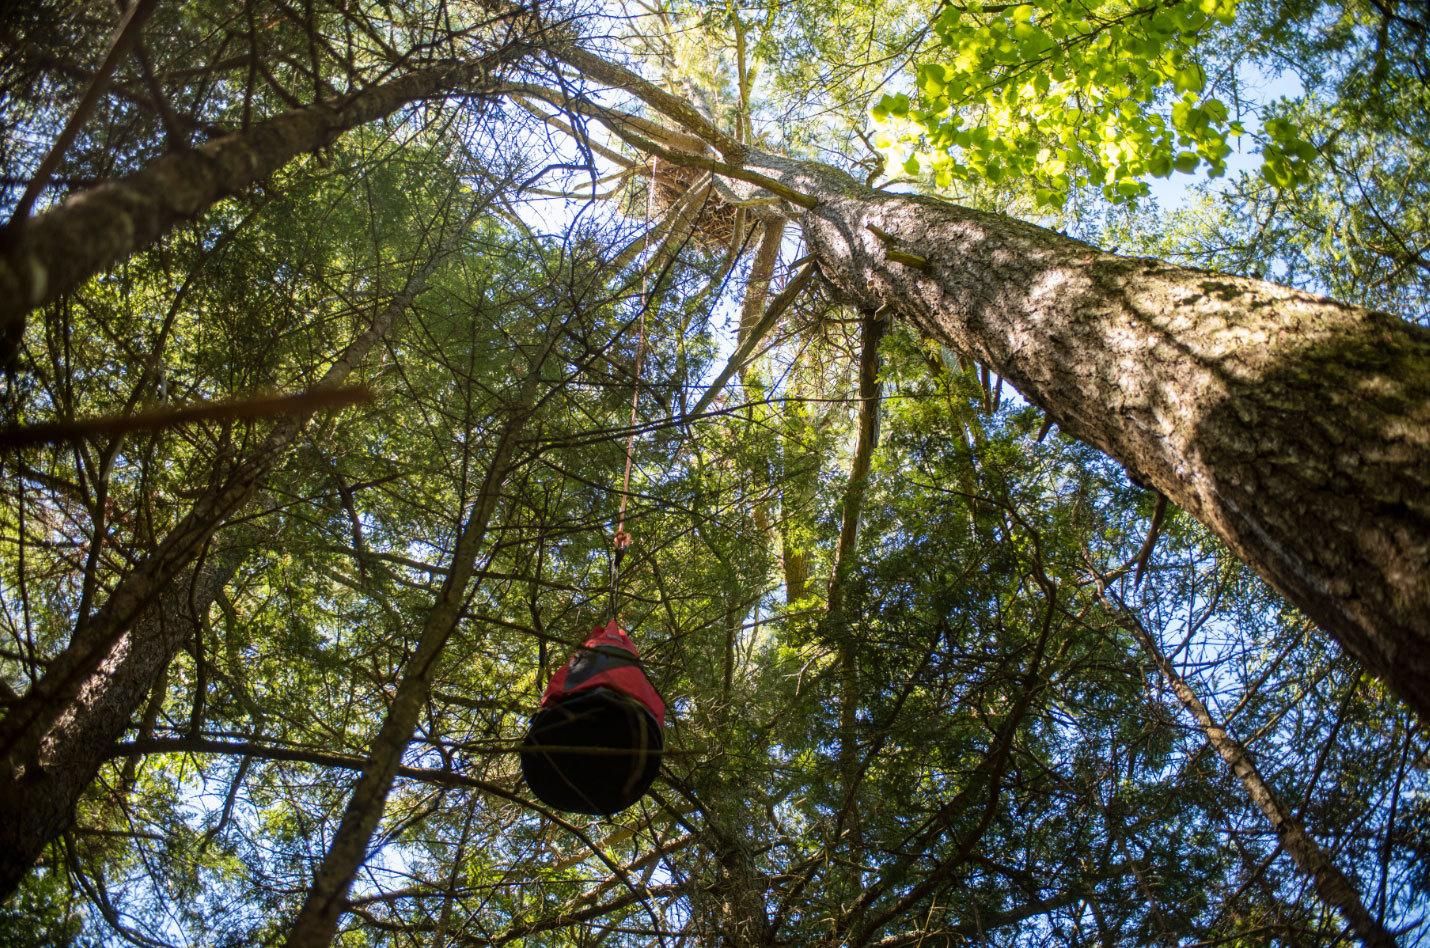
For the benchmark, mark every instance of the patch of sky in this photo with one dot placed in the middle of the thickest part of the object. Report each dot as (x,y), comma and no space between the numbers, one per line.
(1250,90)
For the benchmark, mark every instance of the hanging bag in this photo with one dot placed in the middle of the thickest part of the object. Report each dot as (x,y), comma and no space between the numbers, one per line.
(595,744)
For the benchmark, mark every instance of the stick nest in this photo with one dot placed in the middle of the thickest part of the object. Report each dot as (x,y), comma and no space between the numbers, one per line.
(715,226)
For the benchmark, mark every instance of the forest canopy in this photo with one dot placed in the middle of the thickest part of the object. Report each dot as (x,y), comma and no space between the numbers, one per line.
(1028,551)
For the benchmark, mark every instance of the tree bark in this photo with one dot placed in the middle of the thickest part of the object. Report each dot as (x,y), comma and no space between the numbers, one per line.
(317,921)
(55,737)
(60,249)
(1295,427)
(38,804)
(873,327)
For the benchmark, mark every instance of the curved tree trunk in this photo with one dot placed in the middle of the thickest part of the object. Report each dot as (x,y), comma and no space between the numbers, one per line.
(57,251)
(1294,427)
(53,740)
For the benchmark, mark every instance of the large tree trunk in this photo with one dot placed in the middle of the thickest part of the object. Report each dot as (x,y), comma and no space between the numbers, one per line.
(741,891)
(39,804)
(1295,427)
(53,740)
(60,249)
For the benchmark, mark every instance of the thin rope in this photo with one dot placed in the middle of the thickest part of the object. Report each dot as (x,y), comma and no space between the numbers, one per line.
(623,539)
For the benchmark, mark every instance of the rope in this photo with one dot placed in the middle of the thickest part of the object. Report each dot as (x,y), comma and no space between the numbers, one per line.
(622,539)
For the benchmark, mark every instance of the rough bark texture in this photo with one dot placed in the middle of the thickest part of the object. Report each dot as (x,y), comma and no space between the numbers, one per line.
(62,248)
(317,921)
(1295,427)
(795,562)
(39,805)
(55,737)
(1330,883)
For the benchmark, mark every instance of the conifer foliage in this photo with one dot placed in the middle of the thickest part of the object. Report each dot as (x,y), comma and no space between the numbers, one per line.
(1007,577)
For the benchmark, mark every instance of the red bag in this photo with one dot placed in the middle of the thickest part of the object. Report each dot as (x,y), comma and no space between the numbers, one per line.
(595,744)
(608,659)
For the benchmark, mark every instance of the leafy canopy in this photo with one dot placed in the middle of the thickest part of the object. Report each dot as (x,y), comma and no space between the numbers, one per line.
(1068,94)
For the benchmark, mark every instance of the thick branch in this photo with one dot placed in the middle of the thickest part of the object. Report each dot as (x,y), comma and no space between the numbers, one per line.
(1331,885)
(59,250)
(671,106)
(202,745)
(237,409)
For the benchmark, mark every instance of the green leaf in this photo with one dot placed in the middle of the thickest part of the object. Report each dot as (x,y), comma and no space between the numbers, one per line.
(1189,79)
(931,79)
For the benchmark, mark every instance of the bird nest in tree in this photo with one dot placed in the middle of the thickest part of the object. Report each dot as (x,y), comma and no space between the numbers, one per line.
(715,224)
